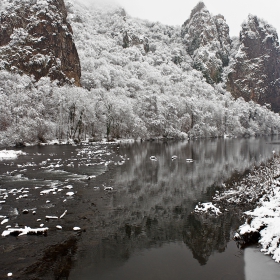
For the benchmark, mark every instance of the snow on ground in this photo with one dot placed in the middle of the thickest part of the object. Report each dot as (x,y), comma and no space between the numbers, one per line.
(10,154)
(261,190)
(265,219)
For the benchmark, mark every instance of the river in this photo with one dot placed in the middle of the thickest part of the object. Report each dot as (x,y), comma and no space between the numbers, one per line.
(135,213)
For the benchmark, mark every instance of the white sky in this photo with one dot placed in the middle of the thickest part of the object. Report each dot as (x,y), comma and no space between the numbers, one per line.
(176,12)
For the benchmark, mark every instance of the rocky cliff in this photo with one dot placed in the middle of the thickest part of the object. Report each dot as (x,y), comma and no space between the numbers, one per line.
(254,70)
(207,41)
(36,39)
(255,73)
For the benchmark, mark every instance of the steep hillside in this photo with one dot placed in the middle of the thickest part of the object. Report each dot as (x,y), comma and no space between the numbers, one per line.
(36,39)
(138,78)
(254,69)
(255,73)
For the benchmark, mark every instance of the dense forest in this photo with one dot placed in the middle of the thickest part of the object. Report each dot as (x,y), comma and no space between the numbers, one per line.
(137,81)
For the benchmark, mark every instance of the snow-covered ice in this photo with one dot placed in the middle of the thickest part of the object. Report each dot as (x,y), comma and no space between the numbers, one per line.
(23,231)
(76,228)
(64,213)
(10,154)
(70,193)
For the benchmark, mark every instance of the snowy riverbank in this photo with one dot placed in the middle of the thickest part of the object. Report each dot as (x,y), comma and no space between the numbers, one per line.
(260,191)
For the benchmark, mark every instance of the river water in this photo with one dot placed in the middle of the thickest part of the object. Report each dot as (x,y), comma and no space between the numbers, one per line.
(135,214)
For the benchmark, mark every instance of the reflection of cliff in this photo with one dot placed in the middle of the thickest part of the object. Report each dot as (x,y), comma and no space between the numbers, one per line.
(167,183)
(153,201)
(207,234)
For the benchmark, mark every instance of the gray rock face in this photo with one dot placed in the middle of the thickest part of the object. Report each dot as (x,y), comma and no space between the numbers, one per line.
(207,41)
(36,39)
(255,73)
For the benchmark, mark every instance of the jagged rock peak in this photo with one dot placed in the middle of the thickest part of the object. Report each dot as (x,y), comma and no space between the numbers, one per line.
(207,40)
(36,39)
(198,8)
(261,33)
(255,73)
(196,12)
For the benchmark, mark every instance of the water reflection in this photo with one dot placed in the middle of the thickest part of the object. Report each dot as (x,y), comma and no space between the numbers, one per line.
(154,200)
(144,227)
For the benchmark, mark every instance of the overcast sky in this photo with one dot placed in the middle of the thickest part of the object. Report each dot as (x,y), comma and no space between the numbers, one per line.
(175,12)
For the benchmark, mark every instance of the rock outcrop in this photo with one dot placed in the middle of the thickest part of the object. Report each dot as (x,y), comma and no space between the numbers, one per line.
(255,73)
(36,39)
(207,40)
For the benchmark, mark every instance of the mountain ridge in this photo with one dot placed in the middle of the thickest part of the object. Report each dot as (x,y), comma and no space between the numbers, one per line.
(138,80)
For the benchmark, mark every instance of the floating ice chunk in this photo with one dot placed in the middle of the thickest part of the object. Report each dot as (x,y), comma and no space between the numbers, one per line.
(59,227)
(4,221)
(23,231)
(189,160)
(153,158)
(10,274)
(48,191)
(10,154)
(76,228)
(108,188)
(68,187)
(64,213)
(70,193)
(51,217)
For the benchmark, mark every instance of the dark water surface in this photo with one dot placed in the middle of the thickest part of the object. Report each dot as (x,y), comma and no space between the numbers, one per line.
(142,228)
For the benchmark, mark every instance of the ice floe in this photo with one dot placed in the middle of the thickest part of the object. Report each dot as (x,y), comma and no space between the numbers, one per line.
(51,217)
(70,193)
(64,213)
(10,154)
(108,188)
(24,231)
(4,221)
(76,228)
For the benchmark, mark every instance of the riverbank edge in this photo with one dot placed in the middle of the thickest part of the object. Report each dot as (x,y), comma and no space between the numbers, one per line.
(259,193)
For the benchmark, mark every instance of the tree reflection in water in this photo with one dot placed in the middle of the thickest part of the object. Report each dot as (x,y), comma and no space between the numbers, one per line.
(154,200)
